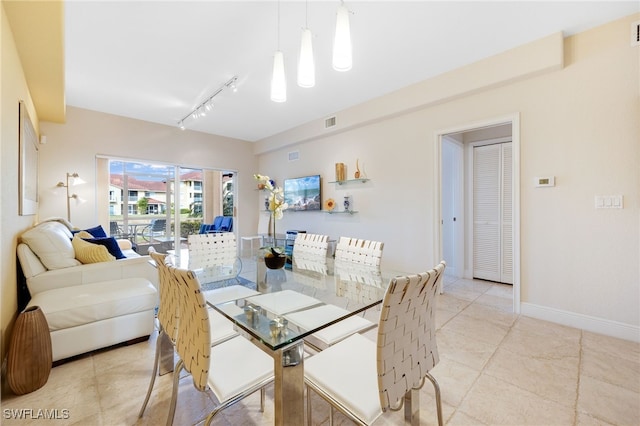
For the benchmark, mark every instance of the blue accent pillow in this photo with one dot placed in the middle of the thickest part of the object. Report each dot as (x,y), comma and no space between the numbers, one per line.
(110,243)
(97,232)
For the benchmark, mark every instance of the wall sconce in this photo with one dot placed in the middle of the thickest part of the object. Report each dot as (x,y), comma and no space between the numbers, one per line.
(73,179)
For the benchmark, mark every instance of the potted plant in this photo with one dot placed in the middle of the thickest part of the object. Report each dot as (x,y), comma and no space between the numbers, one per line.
(274,256)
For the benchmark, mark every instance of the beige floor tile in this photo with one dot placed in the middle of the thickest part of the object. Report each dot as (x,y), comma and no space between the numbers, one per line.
(608,402)
(485,331)
(455,380)
(554,379)
(583,419)
(501,290)
(490,314)
(467,351)
(496,402)
(611,369)
(610,345)
(461,419)
(544,343)
(497,302)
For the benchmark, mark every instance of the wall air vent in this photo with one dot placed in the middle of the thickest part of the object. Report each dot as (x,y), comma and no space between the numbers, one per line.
(294,155)
(330,122)
(635,34)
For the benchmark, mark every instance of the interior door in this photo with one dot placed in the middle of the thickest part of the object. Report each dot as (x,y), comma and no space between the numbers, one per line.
(492,212)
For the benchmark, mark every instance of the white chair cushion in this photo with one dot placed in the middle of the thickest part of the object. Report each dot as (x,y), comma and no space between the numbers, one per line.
(315,317)
(282,302)
(51,242)
(235,365)
(226,294)
(347,371)
(220,328)
(78,305)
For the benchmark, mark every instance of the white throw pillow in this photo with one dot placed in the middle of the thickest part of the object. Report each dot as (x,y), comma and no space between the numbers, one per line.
(51,242)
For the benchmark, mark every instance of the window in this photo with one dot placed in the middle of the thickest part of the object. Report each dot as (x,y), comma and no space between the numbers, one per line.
(183,197)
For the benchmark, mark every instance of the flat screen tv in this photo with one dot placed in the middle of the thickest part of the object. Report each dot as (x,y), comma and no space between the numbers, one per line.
(303,193)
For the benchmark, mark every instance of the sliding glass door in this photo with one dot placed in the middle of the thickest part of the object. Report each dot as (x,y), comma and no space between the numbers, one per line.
(159,205)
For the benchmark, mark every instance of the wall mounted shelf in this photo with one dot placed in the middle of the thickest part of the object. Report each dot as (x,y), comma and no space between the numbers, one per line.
(340,212)
(342,182)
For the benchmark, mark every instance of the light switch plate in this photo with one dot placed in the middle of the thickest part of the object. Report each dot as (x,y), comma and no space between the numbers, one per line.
(609,201)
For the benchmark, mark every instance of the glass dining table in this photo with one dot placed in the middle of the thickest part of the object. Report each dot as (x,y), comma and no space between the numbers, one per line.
(293,305)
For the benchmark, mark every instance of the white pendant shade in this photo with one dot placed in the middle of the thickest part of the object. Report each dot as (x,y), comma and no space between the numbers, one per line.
(342,60)
(306,64)
(278,80)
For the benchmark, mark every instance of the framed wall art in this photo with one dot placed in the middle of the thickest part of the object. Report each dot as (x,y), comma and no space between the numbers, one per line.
(28,164)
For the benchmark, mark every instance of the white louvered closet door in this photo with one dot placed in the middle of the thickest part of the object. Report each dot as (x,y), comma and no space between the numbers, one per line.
(492,213)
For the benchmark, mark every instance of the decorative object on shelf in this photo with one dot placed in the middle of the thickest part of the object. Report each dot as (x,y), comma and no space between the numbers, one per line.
(30,357)
(340,172)
(347,203)
(275,204)
(357,172)
(329,204)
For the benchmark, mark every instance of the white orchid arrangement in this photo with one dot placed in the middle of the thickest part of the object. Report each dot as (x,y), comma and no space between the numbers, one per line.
(277,205)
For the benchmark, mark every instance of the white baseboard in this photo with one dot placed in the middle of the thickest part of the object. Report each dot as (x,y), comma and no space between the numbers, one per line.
(584,322)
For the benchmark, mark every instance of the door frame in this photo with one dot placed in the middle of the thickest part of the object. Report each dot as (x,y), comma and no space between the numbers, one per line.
(514,120)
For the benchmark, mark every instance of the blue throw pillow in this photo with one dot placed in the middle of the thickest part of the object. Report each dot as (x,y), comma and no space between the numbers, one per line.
(97,232)
(110,243)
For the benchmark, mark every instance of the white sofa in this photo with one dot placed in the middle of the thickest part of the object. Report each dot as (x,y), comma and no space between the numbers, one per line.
(87,306)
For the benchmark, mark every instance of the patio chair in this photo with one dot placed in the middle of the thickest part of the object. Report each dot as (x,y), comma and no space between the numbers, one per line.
(156,228)
(115,230)
(386,373)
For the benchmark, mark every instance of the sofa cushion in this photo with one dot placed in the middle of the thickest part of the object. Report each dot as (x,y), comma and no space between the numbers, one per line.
(87,252)
(51,242)
(74,306)
(96,231)
(110,243)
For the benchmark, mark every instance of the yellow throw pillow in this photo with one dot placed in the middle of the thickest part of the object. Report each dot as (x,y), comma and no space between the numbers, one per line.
(90,253)
(84,234)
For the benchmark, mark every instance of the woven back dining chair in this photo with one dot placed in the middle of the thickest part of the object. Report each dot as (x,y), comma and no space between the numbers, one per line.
(383,375)
(232,369)
(168,316)
(310,246)
(214,256)
(354,250)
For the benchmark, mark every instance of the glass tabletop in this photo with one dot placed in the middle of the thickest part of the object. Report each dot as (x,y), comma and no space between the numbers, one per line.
(313,295)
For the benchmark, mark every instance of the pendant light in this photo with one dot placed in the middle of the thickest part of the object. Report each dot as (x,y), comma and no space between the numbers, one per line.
(278,79)
(306,64)
(342,60)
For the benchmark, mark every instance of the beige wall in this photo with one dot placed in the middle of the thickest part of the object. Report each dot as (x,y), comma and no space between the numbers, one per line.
(579,121)
(13,88)
(73,146)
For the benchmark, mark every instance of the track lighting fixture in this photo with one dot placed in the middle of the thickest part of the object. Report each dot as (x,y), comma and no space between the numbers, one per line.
(207,105)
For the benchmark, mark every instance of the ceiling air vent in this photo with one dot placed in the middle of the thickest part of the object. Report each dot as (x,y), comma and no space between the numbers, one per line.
(294,155)
(635,33)
(330,122)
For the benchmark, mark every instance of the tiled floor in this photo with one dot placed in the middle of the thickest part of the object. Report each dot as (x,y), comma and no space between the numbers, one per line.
(495,368)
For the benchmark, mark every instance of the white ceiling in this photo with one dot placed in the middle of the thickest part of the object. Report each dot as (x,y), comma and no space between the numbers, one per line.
(157,60)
